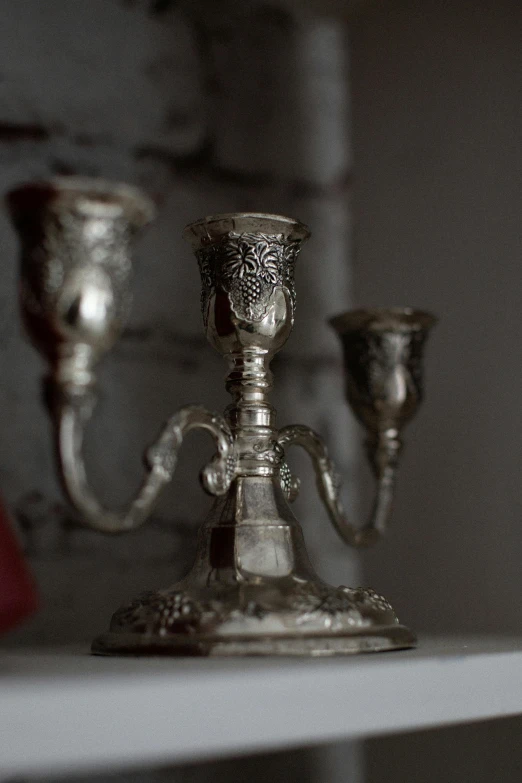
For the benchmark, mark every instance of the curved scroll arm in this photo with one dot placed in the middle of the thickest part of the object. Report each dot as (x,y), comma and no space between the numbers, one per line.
(383,453)
(70,416)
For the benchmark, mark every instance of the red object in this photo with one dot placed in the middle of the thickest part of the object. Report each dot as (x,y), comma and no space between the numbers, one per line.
(18,597)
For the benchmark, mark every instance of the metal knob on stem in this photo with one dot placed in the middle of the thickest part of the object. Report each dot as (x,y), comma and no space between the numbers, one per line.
(252,589)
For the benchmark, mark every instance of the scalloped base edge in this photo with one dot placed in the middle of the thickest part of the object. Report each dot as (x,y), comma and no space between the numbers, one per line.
(378,639)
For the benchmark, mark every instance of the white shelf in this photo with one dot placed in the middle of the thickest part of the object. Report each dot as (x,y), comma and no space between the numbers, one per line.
(62,711)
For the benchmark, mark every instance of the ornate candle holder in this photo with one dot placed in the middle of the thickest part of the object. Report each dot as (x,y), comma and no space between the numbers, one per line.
(252,589)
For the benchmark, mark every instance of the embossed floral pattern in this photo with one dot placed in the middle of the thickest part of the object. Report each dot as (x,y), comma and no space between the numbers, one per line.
(248,267)
(175,613)
(334,606)
(241,258)
(159,613)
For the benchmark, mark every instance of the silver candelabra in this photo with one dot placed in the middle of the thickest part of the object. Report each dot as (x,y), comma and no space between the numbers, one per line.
(252,589)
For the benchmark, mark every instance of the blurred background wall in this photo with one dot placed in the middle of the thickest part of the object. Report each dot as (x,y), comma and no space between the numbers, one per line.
(210,107)
(436,94)
(225,106)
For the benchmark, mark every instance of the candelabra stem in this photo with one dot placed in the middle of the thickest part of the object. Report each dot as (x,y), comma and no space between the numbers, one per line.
(250,416)
(249,379)
(383,452)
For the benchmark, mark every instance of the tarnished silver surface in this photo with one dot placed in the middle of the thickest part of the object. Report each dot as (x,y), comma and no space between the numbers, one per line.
(252,589)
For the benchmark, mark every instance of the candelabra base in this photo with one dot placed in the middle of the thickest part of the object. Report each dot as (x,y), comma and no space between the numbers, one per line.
(253,591)
(275,617)
(381,639)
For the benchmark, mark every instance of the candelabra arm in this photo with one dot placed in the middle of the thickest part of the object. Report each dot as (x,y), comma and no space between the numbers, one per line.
(383,453)
(70,416)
